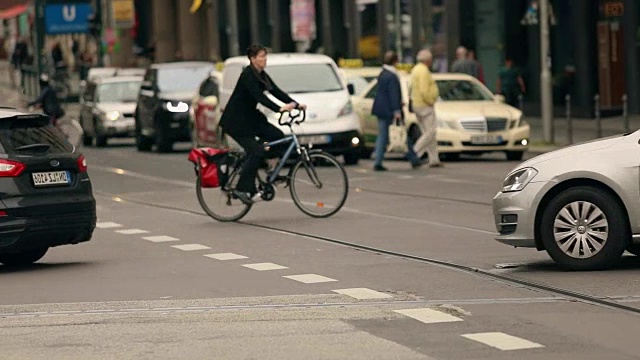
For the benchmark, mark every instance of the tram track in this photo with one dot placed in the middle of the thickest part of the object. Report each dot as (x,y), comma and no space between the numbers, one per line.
(483,273)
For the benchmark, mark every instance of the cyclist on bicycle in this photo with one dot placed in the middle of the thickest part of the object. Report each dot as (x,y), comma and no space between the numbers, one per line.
(48,100)
(244,122)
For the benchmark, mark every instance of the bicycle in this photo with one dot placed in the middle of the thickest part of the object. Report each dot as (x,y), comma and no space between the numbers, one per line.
(312,172)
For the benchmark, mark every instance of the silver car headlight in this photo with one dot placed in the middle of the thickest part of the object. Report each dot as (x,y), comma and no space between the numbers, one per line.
(112,115)
(518,180)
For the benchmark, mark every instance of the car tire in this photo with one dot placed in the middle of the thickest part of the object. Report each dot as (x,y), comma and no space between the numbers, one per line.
(366,153)
(87,140)
(634,249)
(515,155)
(351,158)
(101,141)
(23,258)
(414,133)
(611,224)
(143,143)
(163,144)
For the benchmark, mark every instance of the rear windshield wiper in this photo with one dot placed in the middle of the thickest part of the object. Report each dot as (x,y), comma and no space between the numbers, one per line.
(43,147)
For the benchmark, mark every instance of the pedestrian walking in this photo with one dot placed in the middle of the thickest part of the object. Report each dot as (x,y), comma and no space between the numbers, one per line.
(510,83)
(424,93)
(463,64)
(387,107)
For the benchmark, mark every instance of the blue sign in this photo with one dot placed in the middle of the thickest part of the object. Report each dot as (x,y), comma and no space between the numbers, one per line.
(67,18)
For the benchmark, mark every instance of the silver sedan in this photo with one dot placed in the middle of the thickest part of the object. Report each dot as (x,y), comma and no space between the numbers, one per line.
(581,203)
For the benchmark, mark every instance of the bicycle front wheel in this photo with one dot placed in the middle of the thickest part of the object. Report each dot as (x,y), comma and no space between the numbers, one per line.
(220,204)
(319,187)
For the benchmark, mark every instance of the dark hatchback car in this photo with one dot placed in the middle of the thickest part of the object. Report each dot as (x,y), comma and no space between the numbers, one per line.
(46,198)
(162,111)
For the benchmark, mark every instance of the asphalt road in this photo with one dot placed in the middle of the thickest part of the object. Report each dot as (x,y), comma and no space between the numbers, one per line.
(160,279)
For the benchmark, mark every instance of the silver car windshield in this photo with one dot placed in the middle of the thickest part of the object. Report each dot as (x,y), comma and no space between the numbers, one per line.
(118,92)
(182,79)
(462,90)
(305,78)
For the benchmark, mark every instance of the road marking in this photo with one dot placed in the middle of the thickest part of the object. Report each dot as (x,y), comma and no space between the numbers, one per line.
(265,266)
(131,231)
(428,316)
(191,247)
(226,256)
(503,341)
(310,278)
(161,238)
(107,225)
(362,293)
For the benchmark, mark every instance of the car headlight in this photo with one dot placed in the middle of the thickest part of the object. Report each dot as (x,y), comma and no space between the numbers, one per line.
(181,107)
(112,115)
(518,180)
(347,109)
(445,124)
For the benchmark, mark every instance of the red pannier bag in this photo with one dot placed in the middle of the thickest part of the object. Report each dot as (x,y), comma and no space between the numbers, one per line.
(213,165)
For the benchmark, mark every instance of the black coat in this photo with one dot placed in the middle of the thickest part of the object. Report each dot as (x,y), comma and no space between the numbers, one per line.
(240,116)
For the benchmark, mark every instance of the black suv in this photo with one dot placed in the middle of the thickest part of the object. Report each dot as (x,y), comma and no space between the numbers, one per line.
(162,112)
(46,197)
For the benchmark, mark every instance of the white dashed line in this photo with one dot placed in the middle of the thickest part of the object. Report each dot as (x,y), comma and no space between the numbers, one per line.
(310,278)
(265,266)
(161,238)
(226,256)
(363,293)
(503,341)
(107,225)
(131,231)
(428,316)
(191,247)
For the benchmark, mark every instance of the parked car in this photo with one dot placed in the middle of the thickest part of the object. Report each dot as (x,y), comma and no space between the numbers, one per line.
(311,79)
(360,77)
(581,203)
(470,119)
(46,198)
(107,108)
(162,110)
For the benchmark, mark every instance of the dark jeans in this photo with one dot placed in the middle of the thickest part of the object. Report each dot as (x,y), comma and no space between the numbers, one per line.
(255,153)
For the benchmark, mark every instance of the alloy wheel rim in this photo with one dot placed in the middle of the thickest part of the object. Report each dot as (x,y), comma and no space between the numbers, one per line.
(581,229)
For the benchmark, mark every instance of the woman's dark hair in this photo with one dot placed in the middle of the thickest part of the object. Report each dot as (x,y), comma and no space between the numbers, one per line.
(254,50)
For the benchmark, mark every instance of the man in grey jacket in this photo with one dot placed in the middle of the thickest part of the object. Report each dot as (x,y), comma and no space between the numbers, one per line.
(465,65)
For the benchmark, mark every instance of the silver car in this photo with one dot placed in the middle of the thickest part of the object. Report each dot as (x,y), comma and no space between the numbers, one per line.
(107,107)
(581,203)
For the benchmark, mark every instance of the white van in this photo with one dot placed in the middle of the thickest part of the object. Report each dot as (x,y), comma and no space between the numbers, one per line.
(312,79)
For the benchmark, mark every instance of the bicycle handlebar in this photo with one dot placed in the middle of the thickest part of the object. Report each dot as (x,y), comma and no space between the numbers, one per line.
(293,115)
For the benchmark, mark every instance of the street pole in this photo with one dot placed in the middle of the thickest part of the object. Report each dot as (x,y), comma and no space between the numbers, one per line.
(98,38)
(398,13)
(546,89)
(232,28)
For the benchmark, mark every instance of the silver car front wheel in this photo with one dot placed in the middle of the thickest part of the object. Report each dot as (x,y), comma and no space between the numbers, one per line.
(581,229)
(585,228)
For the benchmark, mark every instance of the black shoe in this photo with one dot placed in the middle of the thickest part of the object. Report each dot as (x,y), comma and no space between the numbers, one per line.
(416,165)
(245,197)
(379,168)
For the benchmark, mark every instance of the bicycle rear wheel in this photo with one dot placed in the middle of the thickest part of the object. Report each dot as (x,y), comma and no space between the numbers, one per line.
(319,187)
(219,203)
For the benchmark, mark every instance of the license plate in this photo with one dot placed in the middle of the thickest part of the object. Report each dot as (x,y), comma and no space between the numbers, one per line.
(486,139)
(319,139)
(51,178)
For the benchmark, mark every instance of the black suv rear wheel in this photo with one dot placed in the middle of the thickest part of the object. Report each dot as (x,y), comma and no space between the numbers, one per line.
(22,258)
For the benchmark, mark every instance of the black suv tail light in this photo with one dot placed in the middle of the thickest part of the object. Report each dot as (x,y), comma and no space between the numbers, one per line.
(82,164)
(9,168)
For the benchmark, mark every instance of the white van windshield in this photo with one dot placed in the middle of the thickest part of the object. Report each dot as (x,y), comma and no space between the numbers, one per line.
(305,78)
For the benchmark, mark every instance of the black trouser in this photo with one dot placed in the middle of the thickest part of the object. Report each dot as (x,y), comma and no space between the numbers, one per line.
(255,153)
